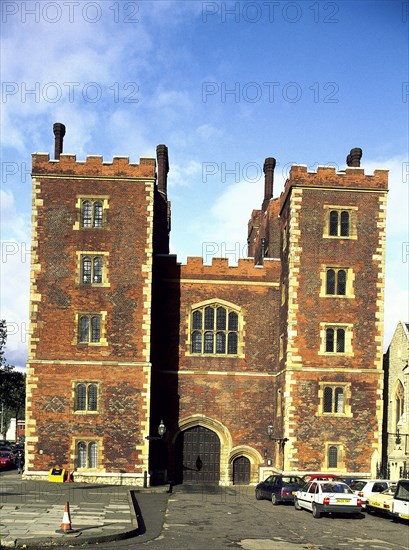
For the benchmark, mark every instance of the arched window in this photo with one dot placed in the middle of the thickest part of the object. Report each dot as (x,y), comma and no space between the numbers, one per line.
(335,340)
(92,213)
(214,330)
(336,282)
(89,329)
(339,223)
(399,404)
(87,454)
(86,396)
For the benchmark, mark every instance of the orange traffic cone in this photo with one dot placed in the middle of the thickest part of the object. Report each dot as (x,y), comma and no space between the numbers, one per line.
(66,520)
(69,478)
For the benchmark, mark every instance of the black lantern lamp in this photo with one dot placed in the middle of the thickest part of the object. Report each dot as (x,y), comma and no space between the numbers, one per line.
(161,432)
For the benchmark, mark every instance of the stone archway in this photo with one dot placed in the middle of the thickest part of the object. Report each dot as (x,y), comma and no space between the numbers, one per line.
(214,426)
(198,456)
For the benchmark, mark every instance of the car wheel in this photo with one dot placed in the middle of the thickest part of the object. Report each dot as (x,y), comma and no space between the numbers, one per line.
(369,509)
(258,495)
(315,512)
(274,499)
(297,504)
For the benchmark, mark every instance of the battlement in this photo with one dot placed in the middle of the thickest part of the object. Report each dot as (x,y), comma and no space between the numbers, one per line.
(328,177)
(220,269)
(93,166)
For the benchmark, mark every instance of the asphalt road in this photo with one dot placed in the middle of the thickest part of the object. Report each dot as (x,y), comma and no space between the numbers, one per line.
(195,518)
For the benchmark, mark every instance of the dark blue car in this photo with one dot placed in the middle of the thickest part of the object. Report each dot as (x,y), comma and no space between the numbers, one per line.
(279,488)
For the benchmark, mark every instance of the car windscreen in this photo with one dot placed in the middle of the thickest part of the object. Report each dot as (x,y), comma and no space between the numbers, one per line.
(357,485)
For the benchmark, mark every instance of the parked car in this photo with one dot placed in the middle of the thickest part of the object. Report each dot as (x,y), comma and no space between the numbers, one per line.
(322,497)
(367,487)
(319,477)
(279,488)
(400,501)
(7,459)
(381,503)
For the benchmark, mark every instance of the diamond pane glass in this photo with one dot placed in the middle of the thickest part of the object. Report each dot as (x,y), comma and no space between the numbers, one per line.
(342,282)
(86,270)
(233,321)
(220,342)
(97,214)
(329,341)
(208,342)
(98,269)
(82,455)
(81,397)
(339,400)
(197,320)
(330,281)
(333,223)
(84,329)
(340,340)
(92,455)
(332,457)
(327,399)
(344,224)
(232,340)
(92,397)
(95,329)
(197,342)
(86,214)
(221,318)
(209,318)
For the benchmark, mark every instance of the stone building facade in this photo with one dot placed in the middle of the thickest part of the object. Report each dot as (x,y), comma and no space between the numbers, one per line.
(396,429)
(271,365)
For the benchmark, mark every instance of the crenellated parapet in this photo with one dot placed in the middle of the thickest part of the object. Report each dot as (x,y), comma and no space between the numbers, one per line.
(220,269)
(93,166)
(353,178)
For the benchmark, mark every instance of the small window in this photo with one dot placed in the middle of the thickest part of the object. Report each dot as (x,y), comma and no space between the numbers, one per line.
(335,340)
(215,330)
(89,328)
(86,396)
(336,280)
(92,214)
(87,454)
(340,222)
(91,270)
(333,456)
(333,399)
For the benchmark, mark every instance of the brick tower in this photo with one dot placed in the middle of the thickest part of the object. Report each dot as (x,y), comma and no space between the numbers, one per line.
(88,373)
(328,396)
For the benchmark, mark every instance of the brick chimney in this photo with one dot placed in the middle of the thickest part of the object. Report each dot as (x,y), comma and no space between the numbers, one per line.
(354,157)
(163,168)
(59,133)
(268,168)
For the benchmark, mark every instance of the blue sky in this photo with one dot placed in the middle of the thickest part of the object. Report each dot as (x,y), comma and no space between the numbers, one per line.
(223,85)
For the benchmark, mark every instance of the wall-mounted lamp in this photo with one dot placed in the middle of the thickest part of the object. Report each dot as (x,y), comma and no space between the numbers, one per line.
(161,432)
(270,433)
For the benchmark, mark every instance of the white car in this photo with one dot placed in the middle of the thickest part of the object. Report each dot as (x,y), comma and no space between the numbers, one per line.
(364,488)
(400,502)
(327,497)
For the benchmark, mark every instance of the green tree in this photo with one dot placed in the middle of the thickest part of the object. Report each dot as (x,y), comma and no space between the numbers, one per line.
(12,387)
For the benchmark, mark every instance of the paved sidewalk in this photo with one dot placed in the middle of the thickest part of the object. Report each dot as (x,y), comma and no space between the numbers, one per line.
(32,511)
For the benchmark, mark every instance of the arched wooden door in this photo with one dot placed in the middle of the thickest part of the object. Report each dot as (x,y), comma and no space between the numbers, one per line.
(198,456)
(241,471)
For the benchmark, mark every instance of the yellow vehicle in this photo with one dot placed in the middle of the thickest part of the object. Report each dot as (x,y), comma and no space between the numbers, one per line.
(381,503)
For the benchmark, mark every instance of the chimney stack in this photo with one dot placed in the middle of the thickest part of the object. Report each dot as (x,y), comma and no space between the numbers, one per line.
(354,157)
(59,133)
(163,168)
(268,168)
